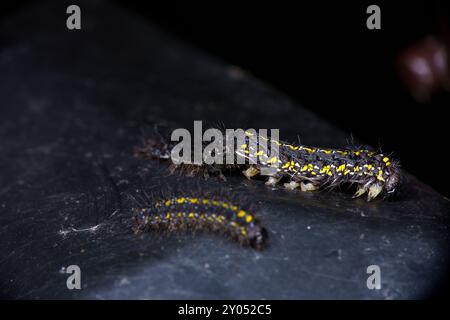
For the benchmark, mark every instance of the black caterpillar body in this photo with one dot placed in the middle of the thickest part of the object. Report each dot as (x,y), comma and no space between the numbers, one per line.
(299,166)
(201,213)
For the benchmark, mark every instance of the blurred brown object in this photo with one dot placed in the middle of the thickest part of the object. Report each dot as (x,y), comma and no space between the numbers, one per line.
(424,68)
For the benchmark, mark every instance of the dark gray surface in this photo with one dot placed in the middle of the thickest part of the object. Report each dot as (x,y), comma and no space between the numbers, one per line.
(70,110)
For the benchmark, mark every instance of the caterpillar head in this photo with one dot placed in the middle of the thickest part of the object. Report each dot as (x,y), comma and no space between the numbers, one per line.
(139,220)
(394,179)
(384,185)
(257,238)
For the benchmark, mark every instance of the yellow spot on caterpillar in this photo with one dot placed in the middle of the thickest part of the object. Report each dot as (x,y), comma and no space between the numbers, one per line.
(233,224)
(272,160)
(380,175)
(285,165)
(193,200)
(215,203)
(243,231)
(341,168)
(234,208)
(325,169)
(179,214)
(259,153)
(205,201)
(241,214)
(191,215)
(248,133)
(293,147)
(310,150)
(168,216)
(388,164)
(368,166)
(305,167)
(356,168)
(358,152)
(326,151)
(244,146)
(248,218)
(344,153)
(310,167)
(346,172)
(385,159)
(225,205)
(313,173)
(168,202)
(180,200)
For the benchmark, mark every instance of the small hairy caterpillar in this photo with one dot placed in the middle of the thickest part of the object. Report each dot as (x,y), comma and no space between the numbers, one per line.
(201,213)
(299,166)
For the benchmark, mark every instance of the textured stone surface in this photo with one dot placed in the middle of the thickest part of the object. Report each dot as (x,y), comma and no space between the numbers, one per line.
(72,103)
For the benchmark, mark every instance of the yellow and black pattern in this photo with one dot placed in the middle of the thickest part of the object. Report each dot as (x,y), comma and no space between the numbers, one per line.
(311,168)
(188,212)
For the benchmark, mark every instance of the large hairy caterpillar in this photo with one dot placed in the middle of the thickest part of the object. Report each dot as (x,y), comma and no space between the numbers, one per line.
(299,166)
(214,213)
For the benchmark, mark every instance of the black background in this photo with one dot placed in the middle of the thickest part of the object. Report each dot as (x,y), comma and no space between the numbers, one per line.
(322,55)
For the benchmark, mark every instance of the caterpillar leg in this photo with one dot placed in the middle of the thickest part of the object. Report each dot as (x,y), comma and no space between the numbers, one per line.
(308,186)
(272,181)
(292,185)
(374,190)
(362,189)
(250,172)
